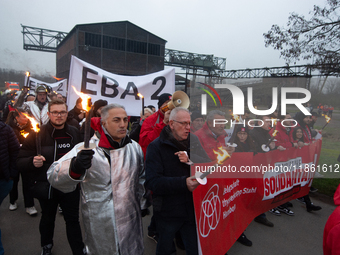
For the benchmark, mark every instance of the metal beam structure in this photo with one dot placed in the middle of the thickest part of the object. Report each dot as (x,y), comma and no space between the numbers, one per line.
(40,39)
(46,40)
(203,62)
(284,71)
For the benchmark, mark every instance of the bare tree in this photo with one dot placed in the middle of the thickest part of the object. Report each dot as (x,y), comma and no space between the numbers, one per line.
(317,37)
(333,86)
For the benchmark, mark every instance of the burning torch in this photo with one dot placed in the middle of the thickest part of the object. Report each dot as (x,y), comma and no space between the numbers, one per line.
(36,129)
(86,105)
(265,147)
(222,155)
(23,93)
(328,119)
(142,97)
(233,135)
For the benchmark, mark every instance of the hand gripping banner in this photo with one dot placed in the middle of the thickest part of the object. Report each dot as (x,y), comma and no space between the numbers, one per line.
(245,186)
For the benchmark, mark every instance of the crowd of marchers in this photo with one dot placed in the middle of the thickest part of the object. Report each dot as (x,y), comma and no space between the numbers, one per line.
(129,164)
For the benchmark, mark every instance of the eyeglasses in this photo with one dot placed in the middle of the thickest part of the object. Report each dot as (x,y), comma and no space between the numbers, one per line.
(55,114)
(183,123)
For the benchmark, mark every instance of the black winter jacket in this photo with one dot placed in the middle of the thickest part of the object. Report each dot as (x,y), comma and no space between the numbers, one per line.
(260,136)
(48,149)
(166,178)
(9,150)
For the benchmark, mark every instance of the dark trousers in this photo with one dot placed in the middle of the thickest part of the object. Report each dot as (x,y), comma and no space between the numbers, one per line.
(26,185)
(167,231)
(69,202)
(5,187)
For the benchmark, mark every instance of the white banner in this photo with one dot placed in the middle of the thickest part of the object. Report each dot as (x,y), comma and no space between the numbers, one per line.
(57,87)
(120,89)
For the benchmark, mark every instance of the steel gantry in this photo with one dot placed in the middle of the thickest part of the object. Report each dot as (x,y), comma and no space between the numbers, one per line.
(46,40)
(40,39)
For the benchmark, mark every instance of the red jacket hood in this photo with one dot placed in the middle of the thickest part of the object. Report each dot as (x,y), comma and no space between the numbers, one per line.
(337,196)
(97,126)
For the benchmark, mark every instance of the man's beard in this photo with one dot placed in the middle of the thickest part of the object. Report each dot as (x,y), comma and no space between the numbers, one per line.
(58,125)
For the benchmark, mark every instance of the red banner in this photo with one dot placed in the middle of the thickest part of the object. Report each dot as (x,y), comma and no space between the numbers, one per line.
(246,186)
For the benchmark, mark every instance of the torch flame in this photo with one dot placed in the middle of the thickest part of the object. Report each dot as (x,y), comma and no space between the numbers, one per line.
(84,98)
(23,133)
(236,117)
(275,133)
(58,79)
(35,124)
(274,121)
(328,119)
(222,155)
(28,74)
(140,95)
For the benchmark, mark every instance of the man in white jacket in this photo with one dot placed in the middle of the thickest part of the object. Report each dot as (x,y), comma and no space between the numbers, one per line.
(111,185)
(39,107)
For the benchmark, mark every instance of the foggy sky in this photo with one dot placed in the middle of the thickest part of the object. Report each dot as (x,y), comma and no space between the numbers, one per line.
(229,29)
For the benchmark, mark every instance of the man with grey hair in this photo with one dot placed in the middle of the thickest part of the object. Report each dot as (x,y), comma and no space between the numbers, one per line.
(111,185)
(213,135)
(168,177)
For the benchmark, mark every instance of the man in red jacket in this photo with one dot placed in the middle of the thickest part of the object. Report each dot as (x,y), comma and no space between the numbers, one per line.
(153,125)
(213,135)
(282,136)
(331,233)
(150,130)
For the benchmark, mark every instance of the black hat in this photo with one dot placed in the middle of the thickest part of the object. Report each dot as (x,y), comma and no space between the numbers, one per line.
(99,103)
(241,128)
(196,115)
(163,98)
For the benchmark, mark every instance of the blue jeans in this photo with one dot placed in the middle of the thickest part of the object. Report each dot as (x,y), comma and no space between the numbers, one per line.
(167,231)
(5,188)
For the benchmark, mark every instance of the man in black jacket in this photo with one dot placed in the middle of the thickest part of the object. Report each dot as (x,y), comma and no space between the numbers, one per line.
(9,149)
(57,138)
(260,135)
(168,177)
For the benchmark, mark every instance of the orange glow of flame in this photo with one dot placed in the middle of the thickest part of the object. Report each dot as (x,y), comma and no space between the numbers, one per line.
(222,155)
(35,124)
(274,120)
(84,98)
(28,74)
(58,79)
(275,133)
(328,119)
(236,117)
(140,95)
(23,133)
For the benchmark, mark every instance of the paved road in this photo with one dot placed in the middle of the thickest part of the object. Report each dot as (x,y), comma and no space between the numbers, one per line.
(300,234)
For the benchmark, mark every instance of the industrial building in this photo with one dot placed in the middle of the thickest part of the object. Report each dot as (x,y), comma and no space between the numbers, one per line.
(117,47)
